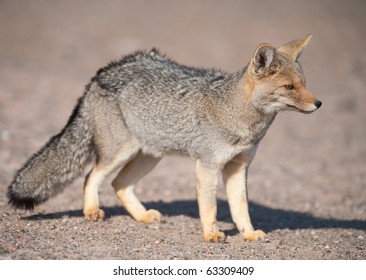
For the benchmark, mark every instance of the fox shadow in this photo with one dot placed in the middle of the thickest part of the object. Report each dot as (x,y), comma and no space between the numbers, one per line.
(263,217)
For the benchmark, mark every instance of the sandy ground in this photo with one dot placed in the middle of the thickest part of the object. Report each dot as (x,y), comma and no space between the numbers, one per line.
(307,184)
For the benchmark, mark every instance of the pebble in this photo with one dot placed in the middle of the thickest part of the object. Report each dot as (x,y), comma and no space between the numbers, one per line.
(154,226)
(314,234)
(361,237)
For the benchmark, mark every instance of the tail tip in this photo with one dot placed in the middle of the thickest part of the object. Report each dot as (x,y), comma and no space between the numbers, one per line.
(19,202)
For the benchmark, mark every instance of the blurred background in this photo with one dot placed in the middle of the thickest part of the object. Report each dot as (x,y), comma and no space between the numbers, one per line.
(314,163)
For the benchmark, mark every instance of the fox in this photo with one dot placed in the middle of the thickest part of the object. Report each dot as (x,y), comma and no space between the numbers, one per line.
(145,106)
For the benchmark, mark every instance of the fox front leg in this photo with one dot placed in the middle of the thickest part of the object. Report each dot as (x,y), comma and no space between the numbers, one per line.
(206,181)
(235,179)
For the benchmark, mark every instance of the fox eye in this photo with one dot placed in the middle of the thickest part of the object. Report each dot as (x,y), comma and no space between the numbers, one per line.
(289,87)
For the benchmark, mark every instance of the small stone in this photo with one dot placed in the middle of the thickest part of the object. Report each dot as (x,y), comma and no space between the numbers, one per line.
(154,226)
(281,242)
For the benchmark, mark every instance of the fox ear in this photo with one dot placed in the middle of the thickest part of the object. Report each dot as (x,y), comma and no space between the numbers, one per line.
(294,48)
(263,58)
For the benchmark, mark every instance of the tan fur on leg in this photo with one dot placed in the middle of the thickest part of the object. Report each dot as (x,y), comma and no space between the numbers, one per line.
(207,181)
(91,202)
(100,171)
(235,179)
(125,182)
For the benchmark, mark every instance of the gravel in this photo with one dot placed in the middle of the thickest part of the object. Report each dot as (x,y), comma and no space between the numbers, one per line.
(307,184)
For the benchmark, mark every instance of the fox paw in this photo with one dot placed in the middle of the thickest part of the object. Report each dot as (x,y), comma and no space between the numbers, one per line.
(216,237)
(151,216)
(94,215)
(253,235)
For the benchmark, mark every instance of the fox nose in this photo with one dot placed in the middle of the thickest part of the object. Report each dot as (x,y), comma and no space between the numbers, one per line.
(318,104)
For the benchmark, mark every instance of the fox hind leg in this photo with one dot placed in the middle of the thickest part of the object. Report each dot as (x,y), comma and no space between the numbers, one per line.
(91,202)
(102,169)
(125,182)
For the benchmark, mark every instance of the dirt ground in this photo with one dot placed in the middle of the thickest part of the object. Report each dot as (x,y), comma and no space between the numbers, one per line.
(307,184)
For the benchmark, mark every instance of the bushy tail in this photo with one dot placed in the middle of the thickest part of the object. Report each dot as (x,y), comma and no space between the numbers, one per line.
(56,165)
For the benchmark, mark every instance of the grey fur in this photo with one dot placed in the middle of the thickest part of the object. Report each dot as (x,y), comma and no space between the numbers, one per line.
(168,106)
(165,107)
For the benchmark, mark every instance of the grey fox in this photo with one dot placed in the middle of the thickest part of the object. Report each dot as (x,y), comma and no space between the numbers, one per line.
(136,110)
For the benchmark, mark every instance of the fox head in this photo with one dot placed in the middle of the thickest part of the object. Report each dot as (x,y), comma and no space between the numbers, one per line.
(276,80)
